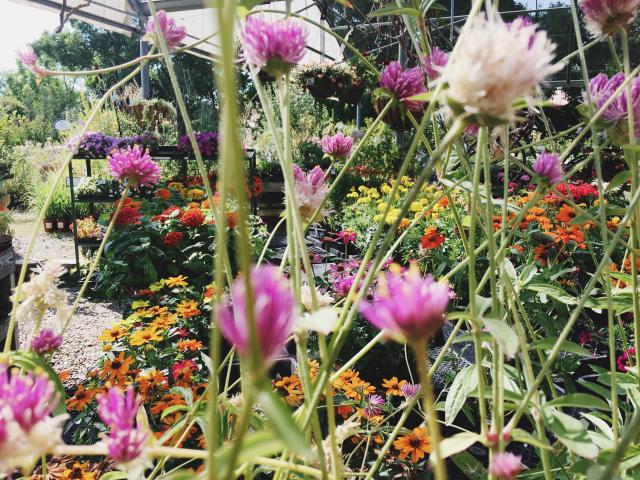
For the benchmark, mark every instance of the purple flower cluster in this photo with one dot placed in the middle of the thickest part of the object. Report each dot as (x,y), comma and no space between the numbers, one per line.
(372,406)
(341,276)
(505,466)
(274,311)
(407,306)
(273,46)
(404,84)
(207,143)
(410,390)
(607,17)
(99,145)
(135,166)
(602,88)
(337,146)
(548,167)
(27,429)
(118,409)
(46,341)
(30,60)
(172,33)
(434,63)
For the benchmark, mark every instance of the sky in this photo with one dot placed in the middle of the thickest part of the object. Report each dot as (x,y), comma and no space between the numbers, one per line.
(21,24)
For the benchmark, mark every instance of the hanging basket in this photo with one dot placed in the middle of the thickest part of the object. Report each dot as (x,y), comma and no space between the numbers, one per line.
(351,93)
(321,86)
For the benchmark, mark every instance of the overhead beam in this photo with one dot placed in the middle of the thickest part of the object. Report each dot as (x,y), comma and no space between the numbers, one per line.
(171,5)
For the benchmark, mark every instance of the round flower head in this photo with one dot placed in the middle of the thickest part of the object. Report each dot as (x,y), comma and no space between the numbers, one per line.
(30,60)
(409,390)
(404,84)
(273,46)
(434,63)
(135,165)
(505,466)
(494,64)
(607,17)
(118,409)
(337,146)
(407,306)
(172,33)
(310,190)
(548,167)
(274,310)
(46,341)
(602,88)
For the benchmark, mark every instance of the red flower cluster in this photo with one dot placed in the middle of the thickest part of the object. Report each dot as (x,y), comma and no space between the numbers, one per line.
(193,217)
(168,213)
(577,191)
(129,214)
(163,194)
(431,238)
(173,239)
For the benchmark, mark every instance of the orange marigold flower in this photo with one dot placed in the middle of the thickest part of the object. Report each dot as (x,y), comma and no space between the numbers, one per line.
(431,238)
(114,370)
(193,217)
(190,345)
(565,214)
(81,398)
(416,444)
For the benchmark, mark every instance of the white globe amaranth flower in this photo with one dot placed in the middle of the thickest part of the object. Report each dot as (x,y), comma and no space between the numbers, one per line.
(494,64)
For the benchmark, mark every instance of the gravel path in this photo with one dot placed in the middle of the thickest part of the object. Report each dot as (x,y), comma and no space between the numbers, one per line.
(81,348)
(48,246)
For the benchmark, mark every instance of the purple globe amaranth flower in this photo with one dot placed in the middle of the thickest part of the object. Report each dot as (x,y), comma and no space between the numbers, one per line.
(404,84)
(30,60)
(274,311)
(126,446)
(46,341)
(602,88)
(505,466)
(118,409)
(409,390)
(135,165)
(337,146)
(274,46)
(434,63)
(407,306)
(607,17)
(310,191)
(172,33)
(548,167)
(373,404)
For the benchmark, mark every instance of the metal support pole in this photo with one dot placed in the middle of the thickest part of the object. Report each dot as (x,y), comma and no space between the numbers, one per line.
(144,73)
(359,115)
(452,8)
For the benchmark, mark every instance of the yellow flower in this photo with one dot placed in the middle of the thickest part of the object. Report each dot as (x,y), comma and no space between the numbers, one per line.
(404,223)
(382,207)
(362,188)
(415,207)
(377,218)
(139,304)
(362,200)
(424,201)
(385,188)
(352,195)
(146,335)
(179,281)
(195,194)
(373,193)
(391,218)
(156,287)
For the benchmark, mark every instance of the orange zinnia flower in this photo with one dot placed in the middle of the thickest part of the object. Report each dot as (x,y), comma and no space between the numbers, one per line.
(393,386)
(416,444)
(291,389)
(188,308)
(357,388)
(115,370)
(565,214)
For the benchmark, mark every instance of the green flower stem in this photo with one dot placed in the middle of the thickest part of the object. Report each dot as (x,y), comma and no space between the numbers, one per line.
(49,197)
(573,317)
(632,431)
(408,408)
(428,405)
(604,232)
(97,257)
(122,66)
(270,239)
(476,329)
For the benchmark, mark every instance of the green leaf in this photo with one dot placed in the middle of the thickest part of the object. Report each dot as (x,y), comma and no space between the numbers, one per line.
(258,444)
(518,435)
(570,432)
(620,178)
(552,291)
(32,362)
(174,408)
(280,416)
(566,346)
(455,444)
(465,382)
(395,9)
(580,400)
(504,334)
(245,6)
(421,97)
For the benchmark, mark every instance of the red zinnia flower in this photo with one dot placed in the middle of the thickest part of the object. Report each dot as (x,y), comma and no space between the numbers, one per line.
(173,239)
(163,194)
(193,217)
(128,216)
(431,238)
